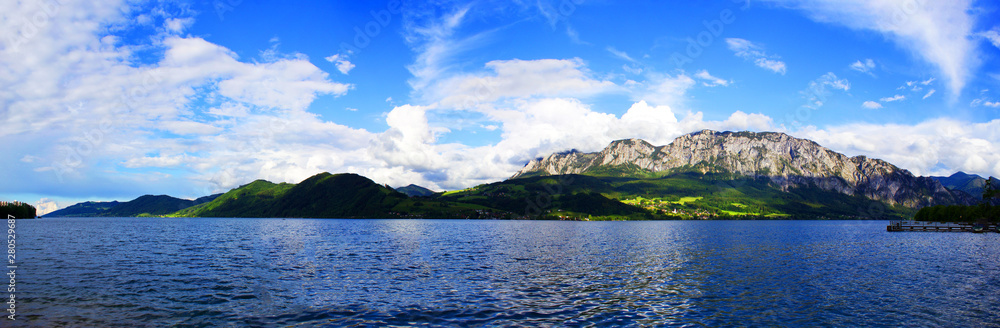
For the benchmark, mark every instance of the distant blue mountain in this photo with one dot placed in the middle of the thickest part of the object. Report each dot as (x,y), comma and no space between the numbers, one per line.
(415,191)
(969,183)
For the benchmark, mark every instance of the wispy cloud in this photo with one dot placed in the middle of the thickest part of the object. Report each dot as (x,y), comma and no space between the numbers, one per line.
(984,102)
(992,35)
(620,54)
(893,98)
(864,67)
(820,88)
(871,105)
(755,53)
(710,81)
(929,93)
(937,31)
(517,79)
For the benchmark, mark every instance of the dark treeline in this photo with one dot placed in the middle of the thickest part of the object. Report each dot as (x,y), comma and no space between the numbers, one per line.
(17,209)
(957,213)
(984,212)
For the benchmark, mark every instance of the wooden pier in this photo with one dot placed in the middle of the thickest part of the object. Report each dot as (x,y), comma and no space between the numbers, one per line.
(899,225)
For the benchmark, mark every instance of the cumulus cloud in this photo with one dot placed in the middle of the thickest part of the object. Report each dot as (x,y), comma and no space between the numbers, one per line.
(871,105)
(104,115)
(755,53)
(934,147)
(864,67)
(45,206)
(939,32)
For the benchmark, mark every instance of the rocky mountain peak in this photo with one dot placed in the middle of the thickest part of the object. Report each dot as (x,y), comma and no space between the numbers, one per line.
(786,160)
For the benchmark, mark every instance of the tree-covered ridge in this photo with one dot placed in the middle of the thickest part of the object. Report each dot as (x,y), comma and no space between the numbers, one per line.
(415,191)
(84,209)
(147,205)
(987,211)
(18,210)
(328,195)
(682,195)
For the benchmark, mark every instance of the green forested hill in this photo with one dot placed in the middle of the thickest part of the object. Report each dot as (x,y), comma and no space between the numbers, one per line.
(147,205)
(85,209)
(328,195)
(683,195)
(150,205)
(251,200)
(415,191)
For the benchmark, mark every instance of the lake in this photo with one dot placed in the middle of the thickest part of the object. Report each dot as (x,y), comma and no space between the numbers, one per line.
(137,272)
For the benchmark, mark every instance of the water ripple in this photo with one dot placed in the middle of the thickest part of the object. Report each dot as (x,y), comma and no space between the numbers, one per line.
(316,273)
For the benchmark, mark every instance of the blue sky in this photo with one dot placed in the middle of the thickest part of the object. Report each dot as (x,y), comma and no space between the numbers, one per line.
(112,99)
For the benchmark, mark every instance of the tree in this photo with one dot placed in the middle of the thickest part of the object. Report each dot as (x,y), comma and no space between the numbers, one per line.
(990,190)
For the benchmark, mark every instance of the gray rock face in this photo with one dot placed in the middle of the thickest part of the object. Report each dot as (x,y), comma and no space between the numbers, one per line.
(785,160)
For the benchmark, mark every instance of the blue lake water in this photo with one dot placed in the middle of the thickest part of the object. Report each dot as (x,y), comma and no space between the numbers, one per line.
(139,272)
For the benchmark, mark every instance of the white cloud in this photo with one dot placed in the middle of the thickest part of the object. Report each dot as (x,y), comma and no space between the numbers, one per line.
(929,93)
(661,89)
(45,206)
(993,36)
(755,53)
(436,45)
(177,25)
(819,89)
(258,125)
(993,104)
(709,80)
(188,127)
(518,79)
(939,32)
(933,147)
(634,69)
(103,114)
(893,98)
(864,67)
(871,105)
(343,65)
(351,109)
(620,54)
